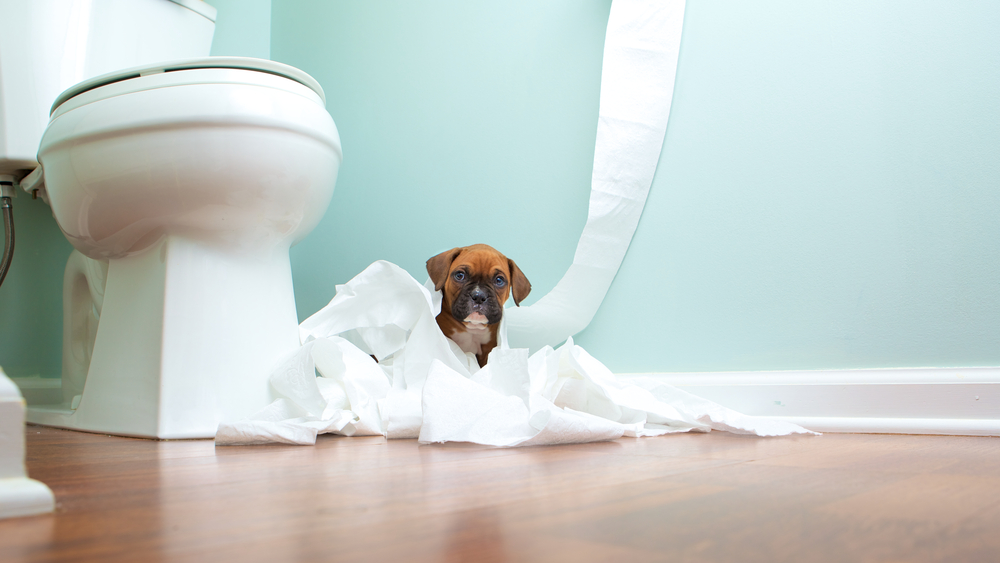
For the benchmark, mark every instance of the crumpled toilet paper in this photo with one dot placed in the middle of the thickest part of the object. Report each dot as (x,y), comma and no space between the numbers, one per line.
(424,386)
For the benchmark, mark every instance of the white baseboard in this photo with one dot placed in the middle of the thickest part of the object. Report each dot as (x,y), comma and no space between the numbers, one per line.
(40,390)
(955,401)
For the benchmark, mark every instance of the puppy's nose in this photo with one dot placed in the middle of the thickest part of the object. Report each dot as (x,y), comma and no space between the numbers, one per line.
(478,296)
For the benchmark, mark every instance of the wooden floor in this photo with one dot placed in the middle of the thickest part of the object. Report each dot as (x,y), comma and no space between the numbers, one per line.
(700,497)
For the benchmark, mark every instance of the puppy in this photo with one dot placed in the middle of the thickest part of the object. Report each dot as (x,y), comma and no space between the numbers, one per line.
(475,282)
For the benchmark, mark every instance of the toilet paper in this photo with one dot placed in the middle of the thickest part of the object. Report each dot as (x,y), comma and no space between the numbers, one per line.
(641,50)
(342,400)
(420,384)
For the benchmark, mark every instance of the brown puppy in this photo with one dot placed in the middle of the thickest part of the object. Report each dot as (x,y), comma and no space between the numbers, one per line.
(475,282)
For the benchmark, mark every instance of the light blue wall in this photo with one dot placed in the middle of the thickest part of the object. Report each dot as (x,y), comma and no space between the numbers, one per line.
(462,122)
(31,295)
(242,28)
(828,194)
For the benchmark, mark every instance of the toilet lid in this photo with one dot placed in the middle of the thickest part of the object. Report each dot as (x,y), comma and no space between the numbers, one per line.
(243,63)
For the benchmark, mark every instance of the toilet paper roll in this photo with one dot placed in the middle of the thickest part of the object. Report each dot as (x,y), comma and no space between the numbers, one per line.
(641,49)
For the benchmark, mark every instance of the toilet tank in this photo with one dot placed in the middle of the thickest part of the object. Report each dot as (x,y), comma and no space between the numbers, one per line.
(46,46)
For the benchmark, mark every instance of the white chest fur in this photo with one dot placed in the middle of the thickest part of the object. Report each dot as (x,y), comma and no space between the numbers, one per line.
(471,340)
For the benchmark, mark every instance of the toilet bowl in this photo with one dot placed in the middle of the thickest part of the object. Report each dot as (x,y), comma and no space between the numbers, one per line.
(190,179)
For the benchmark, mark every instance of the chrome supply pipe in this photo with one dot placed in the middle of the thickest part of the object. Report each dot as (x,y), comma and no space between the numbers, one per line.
(7,191)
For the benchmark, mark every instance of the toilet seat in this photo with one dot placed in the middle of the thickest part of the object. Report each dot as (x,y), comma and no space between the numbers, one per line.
(205,70)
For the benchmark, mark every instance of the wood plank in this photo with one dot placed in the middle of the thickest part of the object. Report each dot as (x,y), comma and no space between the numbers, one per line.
(695,497)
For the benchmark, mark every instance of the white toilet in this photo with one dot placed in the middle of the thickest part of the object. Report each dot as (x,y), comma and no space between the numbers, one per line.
(182,182)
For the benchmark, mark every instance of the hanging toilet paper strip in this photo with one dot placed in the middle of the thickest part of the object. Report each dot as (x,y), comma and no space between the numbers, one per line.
(637,83)
(424,386)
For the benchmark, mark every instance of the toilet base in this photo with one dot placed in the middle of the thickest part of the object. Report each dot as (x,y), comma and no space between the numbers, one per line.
(188,337)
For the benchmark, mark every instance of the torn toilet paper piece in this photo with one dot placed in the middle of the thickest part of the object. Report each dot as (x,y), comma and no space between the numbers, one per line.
(424,386)
(343,400)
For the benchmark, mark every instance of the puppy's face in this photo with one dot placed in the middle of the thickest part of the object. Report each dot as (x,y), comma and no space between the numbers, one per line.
(477,288)
(476,281)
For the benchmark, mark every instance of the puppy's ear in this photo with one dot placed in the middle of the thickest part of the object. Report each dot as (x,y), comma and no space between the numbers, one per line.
(520,287)
(438,266)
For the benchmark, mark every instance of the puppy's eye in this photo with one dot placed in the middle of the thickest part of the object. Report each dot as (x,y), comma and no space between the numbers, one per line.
(459,276)
(499,281)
